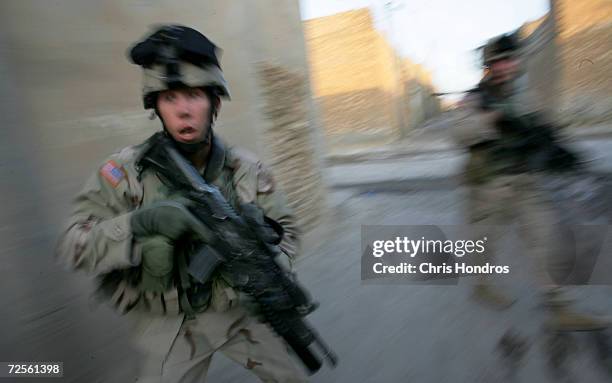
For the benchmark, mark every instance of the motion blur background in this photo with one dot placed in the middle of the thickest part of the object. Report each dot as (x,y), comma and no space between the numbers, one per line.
(349,102)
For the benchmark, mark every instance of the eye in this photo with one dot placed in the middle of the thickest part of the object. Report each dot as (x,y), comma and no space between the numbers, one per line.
(169,97)
(195,93)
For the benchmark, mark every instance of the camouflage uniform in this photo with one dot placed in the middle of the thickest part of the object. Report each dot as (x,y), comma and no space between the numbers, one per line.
(500,192)
(98,239)
(504,188)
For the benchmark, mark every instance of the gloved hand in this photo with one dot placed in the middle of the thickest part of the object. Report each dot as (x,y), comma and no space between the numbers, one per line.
(170,219)
(157,263)
(268,230)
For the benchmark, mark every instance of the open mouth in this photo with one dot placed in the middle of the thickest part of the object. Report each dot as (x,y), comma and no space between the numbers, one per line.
(187,130)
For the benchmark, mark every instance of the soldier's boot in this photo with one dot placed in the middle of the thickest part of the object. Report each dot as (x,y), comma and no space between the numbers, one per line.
(564,318)
(492,296)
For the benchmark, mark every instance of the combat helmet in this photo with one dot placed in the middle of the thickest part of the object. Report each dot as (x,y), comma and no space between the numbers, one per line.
(175,56)
(500,47)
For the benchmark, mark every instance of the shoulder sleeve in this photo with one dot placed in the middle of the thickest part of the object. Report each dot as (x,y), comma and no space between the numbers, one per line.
(255,183)
(97,237)
(275,205)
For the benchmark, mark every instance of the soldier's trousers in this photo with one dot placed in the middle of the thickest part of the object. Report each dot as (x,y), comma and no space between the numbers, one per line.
(244,340)
(515,199)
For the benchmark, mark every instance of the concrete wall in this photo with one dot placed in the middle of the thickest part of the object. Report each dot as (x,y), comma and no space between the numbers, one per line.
(360,83)
(585,43)
(575,16)
(351,74)
(541,61)
(567,57)
(69,58)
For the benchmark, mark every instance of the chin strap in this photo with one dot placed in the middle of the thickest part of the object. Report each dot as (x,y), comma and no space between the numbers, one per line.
(190,148)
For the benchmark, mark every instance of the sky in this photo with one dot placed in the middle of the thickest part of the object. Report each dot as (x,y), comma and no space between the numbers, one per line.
(440,34)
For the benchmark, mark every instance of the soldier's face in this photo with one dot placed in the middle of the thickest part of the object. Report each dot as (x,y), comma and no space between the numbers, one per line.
(504,70)
(185,113)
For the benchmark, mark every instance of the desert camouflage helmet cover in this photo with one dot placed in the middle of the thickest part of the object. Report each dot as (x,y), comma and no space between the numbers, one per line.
(175,56)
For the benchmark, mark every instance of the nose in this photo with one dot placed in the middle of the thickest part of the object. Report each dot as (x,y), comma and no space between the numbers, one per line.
(183,108)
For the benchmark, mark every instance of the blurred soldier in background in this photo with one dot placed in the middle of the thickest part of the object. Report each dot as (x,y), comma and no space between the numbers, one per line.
(127,228)
(510,145)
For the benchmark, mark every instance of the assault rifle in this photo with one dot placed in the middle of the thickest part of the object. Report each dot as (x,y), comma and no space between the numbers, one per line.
(529,139)
(239,250)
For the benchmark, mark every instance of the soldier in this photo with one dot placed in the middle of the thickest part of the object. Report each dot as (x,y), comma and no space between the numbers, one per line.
(118,231)
(496,124)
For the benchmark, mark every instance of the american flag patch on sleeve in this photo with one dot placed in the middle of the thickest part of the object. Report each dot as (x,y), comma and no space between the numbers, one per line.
(112,172)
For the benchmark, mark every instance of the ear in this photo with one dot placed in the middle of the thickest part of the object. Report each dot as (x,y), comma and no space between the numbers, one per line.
(216,107)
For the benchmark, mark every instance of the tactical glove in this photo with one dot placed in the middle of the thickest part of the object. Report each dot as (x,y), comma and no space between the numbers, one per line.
(170,219)
(266,228)
(157,263)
